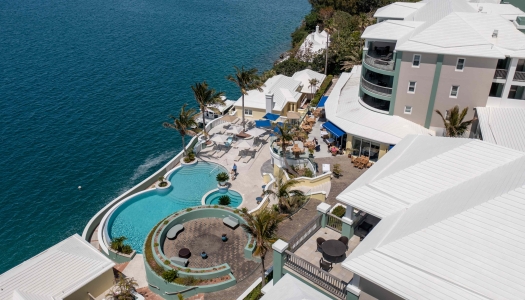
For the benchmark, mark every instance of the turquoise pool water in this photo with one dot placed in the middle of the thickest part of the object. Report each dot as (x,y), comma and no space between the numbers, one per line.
(136,217)
(213,198)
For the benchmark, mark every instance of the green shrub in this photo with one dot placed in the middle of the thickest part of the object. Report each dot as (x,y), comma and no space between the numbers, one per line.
(222,177)
(290,66)
(170,275)
(188,281)
(149,253)
(187,270)
(166,262)
(236,211)
(215,206)
(224,200)
(322,89)
(126,249)
(298,36)
(118,245)
(190,157)
(339,211)
(308,173)
(189,209)
(156,244)
(166,222)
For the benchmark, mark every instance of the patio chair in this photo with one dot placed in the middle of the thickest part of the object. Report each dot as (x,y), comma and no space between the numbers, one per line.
(220,154)
(238,157)
(344,240)
(325,265)
(247,159)
(320,242)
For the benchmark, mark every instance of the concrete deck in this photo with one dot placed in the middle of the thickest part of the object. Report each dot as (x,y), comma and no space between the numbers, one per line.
(137,270)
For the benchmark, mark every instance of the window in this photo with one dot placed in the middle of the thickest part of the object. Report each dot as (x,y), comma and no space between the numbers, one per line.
(454,91)
(411,87)
(408,109)
(416,60)
(365,147)
(460,64)
(248,112)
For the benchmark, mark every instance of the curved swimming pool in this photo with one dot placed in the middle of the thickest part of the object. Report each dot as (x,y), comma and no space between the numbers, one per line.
(213,198)
(136,217)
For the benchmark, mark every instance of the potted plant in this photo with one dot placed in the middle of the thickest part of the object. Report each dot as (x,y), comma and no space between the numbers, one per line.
(337,170)
(224,200)
(162,181)
(222,178)
(163,185)
(311,150)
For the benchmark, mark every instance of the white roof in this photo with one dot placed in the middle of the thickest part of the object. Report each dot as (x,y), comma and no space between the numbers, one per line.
(222,108)
(314,42)
(55,273)
(343,108)
(398,10)
(291,288)
(455,27)
(503,126)
(284,90)
(304,77)
(464,239)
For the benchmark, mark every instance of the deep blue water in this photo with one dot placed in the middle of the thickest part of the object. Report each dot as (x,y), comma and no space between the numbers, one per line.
(85,86)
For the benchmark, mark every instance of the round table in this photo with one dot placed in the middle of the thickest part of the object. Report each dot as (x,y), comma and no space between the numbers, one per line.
(333,248)
(184,253)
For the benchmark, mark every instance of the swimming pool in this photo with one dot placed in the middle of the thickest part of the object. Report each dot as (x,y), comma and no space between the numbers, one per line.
(213,197)
(136,217)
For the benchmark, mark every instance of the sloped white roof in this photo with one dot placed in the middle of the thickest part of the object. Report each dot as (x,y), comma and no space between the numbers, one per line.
(401,184)
(343,108)
(291,288)
(283,88)
(508,11)
(55,273)
(503,126)
(464,242)
(389,30)
(304,77)
(314,42)
(398,10)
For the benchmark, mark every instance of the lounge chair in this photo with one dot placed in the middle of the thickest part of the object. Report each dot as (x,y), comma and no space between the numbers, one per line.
(325,265)
(230,221)
(179,261)
(220,154)
(238,157)
(247,158)
(172,233)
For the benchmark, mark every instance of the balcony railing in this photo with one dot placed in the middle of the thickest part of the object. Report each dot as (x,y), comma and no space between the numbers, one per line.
(387,65)
(374,88)
(325,280)
(519,76)
(334,222)
(302,236)
(500,74)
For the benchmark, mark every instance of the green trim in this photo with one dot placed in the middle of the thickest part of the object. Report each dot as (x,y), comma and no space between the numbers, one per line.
(397,67)
(378,96)
(435,83)
(347,230)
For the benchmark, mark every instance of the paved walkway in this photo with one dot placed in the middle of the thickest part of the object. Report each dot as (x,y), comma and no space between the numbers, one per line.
(137,270)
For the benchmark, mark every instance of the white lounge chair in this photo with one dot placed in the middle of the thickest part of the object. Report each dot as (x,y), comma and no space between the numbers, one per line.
(238,157)
(220,154)
(230,221)
(172,233)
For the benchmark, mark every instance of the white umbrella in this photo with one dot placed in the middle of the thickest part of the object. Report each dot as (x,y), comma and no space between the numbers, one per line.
(244,144)
(256,131)
(219,138)
(235,130)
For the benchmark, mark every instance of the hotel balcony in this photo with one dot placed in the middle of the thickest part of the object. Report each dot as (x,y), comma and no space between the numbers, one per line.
(500,74)
(380,56)
(519,76)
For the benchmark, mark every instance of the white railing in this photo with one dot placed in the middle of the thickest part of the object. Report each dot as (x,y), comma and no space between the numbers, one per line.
(387,65)
(374,88)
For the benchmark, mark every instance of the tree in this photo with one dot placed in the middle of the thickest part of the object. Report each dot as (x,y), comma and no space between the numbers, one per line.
(262,227)
(118,243)
(313,85)
(224,200)
(183,124)
(246,80)
(287,197)
(285,133)
(454,124)
(206,97)
(123,290)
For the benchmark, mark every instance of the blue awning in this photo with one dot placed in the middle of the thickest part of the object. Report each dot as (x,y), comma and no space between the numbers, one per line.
(330,127)
(263,123)
(271,117)
(322,101)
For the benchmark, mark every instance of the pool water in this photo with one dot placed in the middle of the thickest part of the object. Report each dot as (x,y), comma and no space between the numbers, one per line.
(213,198)
(136,217)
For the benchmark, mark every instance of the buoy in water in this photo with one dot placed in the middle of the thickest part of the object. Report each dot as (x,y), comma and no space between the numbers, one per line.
(79,187)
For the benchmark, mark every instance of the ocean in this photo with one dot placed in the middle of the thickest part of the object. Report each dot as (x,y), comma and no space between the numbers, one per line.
(86,85)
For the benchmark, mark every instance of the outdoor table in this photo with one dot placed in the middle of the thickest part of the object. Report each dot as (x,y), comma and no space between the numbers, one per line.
(310,120)
(184,253)
(333,248)
(323,132)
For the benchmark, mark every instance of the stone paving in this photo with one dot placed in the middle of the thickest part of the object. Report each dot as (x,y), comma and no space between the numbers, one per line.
(205,235)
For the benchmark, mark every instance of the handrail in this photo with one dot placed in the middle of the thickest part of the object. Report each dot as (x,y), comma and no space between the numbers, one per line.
(266,198)
(334,222)
(375,88)
(305,233)
(180,292)
(154,286)
(519,76)
(387,65)
(327,281)
(500,74)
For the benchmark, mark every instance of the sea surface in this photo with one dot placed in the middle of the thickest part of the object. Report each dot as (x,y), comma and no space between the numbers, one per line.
(86,85)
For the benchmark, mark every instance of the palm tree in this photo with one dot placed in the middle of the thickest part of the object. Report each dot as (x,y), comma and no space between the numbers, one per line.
(313,85)
(118,243)
(353,58)
(454,124)
(285,133)
(123,289)
(206,97)
(262,227)
(246,80)
(183,124)
(287,197)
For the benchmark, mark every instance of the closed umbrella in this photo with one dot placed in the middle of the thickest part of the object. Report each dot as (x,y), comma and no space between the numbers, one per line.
(244,144)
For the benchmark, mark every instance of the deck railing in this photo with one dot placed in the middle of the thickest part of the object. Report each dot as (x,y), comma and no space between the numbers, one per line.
(387,65)
(500,74)
(374,88)
(519,76)
(325,280)
(334,222)
(304,234)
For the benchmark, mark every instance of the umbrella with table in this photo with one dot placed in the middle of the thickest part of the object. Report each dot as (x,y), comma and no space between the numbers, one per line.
(235,130)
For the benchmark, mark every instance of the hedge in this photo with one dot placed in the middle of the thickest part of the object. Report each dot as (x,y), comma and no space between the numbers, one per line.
(320,92)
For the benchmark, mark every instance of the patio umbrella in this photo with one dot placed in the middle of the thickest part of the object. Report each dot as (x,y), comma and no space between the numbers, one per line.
(292,115)
(235,130)
(256,131)
(229,118)
(244,144)
(219,138)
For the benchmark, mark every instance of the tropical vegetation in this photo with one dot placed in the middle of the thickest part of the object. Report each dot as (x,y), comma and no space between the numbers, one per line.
(184,124)
(222,177)
(285,132)
(170,275)
(246,80)
(339,211)
(118,245)
(288,198)
(207,98)
(262,227)
(224,200)
(454,123)
(123,289)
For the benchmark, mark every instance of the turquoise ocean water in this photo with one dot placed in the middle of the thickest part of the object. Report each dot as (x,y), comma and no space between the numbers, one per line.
(85,86)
